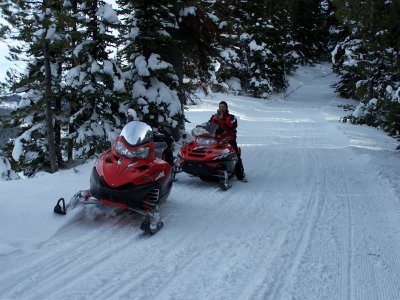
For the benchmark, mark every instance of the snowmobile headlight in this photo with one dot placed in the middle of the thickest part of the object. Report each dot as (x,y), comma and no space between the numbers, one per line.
(140,153)
(204,141)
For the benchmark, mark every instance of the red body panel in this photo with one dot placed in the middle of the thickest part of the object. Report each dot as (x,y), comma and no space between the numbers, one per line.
(208,156)
(118,170)
(200,152)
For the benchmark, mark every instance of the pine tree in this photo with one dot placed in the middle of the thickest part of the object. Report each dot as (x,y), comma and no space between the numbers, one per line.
(94,81)
(39,29)
(368,59)
(309,29)
(198,26)
(264,47)
(150,52)
(69,74)
(231,53)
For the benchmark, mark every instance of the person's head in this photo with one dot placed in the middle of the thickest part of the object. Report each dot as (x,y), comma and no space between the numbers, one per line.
(223,107)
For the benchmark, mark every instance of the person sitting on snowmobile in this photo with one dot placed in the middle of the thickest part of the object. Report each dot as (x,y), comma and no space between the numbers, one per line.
(227,121)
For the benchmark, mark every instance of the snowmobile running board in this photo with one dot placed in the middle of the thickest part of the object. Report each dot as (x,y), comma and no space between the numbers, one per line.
(151,223)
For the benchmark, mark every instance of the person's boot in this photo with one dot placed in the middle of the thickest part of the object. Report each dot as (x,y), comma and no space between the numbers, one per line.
(242,177)
(239,171)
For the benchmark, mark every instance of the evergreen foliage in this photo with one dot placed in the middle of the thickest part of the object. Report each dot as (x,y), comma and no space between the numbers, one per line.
(89,70)
(368,61)
(231,55)
(254,44)
(154,85)
(94,82)
(70,89)
(38,28)
(309,29)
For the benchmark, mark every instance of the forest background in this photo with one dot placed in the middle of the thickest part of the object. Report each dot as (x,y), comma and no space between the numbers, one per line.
(90,67)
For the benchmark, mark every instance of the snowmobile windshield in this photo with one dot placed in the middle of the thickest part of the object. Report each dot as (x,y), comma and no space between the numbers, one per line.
(137,133)
(207,129)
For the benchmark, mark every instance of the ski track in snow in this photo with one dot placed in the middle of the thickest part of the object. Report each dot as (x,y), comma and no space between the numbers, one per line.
(318,219)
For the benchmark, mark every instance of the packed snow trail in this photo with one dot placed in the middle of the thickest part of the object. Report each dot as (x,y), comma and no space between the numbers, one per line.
(318,219)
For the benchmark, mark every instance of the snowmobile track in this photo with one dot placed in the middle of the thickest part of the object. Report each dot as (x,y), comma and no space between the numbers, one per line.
(346,290)
(297,239)
(318,219)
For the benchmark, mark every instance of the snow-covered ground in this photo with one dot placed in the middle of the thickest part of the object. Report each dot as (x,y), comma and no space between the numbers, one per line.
(318,219)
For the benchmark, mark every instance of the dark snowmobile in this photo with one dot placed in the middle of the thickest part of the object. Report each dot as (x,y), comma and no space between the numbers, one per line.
(132,175)
(209,155)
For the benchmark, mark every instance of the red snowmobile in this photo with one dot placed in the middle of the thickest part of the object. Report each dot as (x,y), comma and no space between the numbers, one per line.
(132,175)
(209,155)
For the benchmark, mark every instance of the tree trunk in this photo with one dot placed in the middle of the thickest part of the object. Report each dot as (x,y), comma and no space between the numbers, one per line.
(57,124)
(49,111)
(73,101)
(176,57)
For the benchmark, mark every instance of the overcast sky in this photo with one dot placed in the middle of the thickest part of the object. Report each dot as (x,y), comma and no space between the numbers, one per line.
(4,63)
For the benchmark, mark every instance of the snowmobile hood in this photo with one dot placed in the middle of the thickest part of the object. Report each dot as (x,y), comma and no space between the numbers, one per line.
(118,170)
(115,170)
